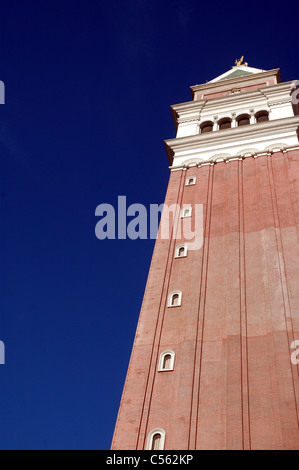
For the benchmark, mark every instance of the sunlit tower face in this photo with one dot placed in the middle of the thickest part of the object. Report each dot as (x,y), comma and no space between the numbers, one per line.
(211,364)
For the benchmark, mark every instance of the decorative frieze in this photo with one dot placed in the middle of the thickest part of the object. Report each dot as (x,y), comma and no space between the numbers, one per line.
(231,158)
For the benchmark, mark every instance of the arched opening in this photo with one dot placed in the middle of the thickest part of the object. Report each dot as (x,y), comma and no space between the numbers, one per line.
(262,116)
(190,181)
(206,127)
(156,439)
(166,361)
(186,212)
(225,123)
(243,120)
(175,299)
(181,251)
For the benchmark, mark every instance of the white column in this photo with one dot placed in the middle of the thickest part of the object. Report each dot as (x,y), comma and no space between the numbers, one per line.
(234,122)
(252,116)
(215,126)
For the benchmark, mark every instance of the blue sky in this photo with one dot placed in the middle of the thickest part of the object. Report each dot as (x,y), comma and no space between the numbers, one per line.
(89,86)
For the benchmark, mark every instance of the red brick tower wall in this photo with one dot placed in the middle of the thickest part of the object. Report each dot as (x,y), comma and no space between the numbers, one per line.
(233,385)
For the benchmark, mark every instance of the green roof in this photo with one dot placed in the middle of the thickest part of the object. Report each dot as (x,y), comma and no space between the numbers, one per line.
(236,73)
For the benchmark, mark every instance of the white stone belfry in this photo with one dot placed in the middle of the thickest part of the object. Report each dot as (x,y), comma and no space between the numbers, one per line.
(241,94)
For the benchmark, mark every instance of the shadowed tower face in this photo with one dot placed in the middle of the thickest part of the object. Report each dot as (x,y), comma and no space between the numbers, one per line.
(211,365)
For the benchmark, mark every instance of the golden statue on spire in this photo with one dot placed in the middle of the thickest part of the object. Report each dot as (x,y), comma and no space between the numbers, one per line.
(240,61)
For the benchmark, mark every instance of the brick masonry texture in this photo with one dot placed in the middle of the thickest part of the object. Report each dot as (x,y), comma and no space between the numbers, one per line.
(233,385)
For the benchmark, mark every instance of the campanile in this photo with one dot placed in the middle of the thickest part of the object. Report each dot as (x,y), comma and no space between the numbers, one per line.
(211,363)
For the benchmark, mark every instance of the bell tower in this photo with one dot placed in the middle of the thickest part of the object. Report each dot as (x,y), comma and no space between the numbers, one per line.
(211,362)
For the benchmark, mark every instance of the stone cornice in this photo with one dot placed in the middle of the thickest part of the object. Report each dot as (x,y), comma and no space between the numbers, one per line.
(219,141)
(234,158)
(270,95)
(232,82)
